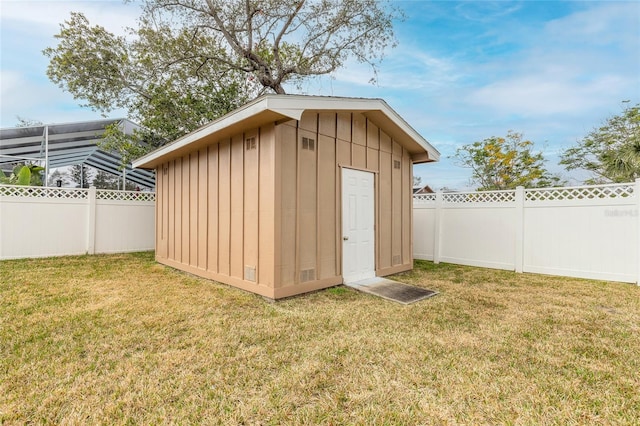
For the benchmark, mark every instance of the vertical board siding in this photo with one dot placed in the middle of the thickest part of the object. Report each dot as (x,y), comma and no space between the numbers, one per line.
(287,164)
(407,204)
(251,202)
(213,206)
(194,183)
(171,210)
(266,209)
(203,207)
(186,203)
(268,214)
(307,176)
(385,210)
(177,188)
(237,207)
(224,206)
(327,206)
(310,188)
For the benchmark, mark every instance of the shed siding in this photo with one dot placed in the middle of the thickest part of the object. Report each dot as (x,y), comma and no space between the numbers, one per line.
(309,190)
(266,217)
(218,212)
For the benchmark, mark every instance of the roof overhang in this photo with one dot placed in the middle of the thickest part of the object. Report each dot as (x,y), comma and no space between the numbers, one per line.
(278,108)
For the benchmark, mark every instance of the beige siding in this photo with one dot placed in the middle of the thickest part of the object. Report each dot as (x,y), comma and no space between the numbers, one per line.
(224,207)
(251,206)
(213,207)
(327,232)
(309,194)
(266,217)
(203,200)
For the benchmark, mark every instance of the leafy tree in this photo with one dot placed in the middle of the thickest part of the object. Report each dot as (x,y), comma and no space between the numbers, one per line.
(58,175)
(275,41)
(104,180)
(611,152)
(191,61)
(505,163)
(23,174)
(27,122)
(80,174)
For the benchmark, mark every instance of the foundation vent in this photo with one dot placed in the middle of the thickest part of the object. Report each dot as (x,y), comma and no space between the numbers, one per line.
(396,164)
(397,260)
(309,144)
(307,275)
(250,273)
(251,143)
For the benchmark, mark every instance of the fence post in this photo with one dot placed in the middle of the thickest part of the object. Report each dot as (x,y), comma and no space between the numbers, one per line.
(636,193)
(91,222)
(519,222)
(436,226)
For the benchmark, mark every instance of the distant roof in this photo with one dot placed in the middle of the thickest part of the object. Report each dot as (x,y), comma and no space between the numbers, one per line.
(273,108)
(69,144)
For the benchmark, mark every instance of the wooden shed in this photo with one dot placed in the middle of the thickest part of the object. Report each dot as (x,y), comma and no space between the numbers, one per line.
(290,194)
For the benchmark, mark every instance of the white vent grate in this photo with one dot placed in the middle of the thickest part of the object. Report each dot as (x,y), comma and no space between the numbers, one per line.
(307,275)
(43,192)
(580,193)
(250,273)
(396,260)
(106,194)
(479,197)
(308,144)
(250,143)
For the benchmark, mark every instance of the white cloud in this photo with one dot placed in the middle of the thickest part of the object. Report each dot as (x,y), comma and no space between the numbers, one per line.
(45,17)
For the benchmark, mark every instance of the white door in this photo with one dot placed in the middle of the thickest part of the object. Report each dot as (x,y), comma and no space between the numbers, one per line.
(358,226)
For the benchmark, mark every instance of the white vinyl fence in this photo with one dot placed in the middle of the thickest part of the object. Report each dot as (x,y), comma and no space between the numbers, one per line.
(39,222)
(586,232)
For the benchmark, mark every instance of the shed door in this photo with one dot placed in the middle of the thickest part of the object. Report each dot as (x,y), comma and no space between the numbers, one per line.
(358,218)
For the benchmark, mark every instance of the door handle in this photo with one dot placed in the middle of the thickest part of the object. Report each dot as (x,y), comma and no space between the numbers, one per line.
(345,238)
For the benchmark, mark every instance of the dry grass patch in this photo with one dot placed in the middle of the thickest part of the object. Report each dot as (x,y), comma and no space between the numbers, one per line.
(119,339)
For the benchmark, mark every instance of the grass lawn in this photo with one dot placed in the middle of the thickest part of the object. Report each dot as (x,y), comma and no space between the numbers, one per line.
(119,339)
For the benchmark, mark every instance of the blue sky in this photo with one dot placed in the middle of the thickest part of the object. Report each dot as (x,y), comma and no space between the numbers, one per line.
(462,71)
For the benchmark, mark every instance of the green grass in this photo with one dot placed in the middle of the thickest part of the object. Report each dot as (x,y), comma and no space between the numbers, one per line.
(119,339)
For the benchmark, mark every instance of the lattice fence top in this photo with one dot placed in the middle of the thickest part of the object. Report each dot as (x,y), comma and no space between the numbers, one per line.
(580,193)
(479,197)
(424,197)
(43,192)
(74,193)
(105,194)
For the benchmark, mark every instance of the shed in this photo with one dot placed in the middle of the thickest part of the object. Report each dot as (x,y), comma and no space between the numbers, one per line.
(290,194)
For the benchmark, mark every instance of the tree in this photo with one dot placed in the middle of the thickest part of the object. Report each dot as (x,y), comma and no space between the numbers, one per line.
(27,122)
(611,152)
(80,175)
(104,180)
(23,174)
(275,41)
(166,96)
(58,175)
(505,163)
(191,61)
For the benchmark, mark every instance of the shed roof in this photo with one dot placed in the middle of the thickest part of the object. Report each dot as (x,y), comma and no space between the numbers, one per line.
(275,108)
(68,144)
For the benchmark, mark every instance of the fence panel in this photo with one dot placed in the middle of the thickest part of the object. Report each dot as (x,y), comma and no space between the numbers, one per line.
(588,232)
(40,222)
(579,232)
